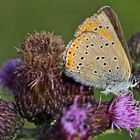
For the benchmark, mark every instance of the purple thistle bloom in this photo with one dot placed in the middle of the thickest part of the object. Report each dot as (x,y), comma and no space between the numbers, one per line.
(74,121)
(7,73)
(125,112)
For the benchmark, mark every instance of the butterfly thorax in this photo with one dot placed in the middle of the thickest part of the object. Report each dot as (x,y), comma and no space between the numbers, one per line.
(115,87)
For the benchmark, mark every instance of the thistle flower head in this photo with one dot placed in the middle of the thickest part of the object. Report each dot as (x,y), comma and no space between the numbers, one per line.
(74,121)
(8,73)
(42,51)
(125,112)
(99,119)
(10,121)
(39,90)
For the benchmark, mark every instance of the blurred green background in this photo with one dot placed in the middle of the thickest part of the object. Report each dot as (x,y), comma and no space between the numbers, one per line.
(19,17)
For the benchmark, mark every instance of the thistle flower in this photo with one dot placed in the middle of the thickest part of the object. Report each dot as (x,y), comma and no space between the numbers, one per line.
(73,88)
(10,121)
(125,112)
(74,121)
(134,47)
(42,51)
(99,119)
(8,73)
(39,91)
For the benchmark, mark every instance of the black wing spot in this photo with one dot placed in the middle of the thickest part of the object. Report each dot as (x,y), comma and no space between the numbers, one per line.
(86,38)
(92,44)
(95,71)
(104,64)
(102,57)
(86,52)
(117,67)
(73,54)
(100,26)
(77,47)
(97,58)
(115,58)
(101,46)
(82,58)
(95,29)
(107,27)
(109,70)
(106,44)
(112,43)
(87,46)
(77,67)
(80,64)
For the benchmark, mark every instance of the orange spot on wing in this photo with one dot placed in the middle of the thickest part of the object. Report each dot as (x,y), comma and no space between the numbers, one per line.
(105,34)
(72,49)
(89,25)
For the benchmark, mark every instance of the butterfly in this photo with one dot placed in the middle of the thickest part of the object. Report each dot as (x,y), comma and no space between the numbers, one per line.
(98,56)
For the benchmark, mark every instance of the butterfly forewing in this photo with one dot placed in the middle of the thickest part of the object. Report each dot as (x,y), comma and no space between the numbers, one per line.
(106,23)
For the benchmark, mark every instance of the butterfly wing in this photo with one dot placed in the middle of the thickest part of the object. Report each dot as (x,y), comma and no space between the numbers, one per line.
(92,60)
(104,62)
(105,23)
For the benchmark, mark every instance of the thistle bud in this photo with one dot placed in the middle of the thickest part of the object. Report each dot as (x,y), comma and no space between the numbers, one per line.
(8,73)
(99,119)
(10,121)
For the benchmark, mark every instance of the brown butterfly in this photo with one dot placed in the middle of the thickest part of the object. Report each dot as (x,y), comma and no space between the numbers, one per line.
(98,56)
